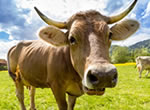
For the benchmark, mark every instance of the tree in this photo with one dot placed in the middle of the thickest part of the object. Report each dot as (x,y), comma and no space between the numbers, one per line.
(120,55)
(140,52)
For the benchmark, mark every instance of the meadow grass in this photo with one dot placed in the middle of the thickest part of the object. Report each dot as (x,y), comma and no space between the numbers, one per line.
(131,93)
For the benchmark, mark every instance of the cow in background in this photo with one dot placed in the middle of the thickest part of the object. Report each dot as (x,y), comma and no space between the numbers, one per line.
(143,63)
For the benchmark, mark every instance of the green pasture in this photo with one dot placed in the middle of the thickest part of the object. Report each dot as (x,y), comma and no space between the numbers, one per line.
(131,93)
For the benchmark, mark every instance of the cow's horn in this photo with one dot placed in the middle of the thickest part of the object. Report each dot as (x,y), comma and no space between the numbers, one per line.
(49,21)
(116,18)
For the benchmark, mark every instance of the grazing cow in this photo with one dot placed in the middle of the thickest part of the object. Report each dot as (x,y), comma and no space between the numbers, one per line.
(76,62)
(143,63)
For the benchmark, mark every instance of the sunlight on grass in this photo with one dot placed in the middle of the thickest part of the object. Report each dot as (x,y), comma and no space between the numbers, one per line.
(131,93)
(125,64)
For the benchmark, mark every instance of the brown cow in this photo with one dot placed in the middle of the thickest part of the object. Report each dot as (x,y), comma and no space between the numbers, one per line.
(76,62)
(143,63)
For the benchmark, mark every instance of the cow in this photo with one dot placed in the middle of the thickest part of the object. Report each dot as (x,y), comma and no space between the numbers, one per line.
(72,62)
(143,63)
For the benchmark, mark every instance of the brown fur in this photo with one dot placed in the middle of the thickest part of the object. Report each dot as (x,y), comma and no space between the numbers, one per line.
(62,69)
(33,59)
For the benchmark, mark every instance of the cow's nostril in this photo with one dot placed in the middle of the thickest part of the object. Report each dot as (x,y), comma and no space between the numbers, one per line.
(114,80)
(115,77)
(93,79)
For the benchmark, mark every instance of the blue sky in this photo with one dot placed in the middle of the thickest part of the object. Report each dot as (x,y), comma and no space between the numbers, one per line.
(19,21)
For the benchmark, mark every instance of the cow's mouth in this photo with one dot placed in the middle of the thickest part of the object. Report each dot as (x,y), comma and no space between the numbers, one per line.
(100,91)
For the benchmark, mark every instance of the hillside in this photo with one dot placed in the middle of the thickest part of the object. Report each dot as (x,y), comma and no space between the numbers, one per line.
(139,45)
(142,44)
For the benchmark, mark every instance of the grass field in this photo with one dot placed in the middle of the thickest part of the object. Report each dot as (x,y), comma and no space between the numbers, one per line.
(131,93)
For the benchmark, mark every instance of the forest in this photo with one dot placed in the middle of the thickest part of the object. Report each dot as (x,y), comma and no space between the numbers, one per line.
(123,54)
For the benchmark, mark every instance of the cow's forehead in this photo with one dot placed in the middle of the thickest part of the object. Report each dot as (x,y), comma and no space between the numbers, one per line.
(80,26)
(84,27)
(87,16)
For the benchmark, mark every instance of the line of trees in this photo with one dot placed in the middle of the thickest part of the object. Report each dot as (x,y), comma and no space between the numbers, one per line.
(3,68)
(121,54)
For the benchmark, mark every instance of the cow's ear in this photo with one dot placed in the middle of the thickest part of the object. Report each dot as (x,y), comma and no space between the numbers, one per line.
(53,36)
(124,29)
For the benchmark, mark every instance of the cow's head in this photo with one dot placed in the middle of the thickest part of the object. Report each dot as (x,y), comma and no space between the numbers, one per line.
(89,38)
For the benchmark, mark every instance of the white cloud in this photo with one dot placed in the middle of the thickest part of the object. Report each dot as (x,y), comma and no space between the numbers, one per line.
(11,37)
(147,11)
(60,10)
(10,30)
(145,30)
(24,3)
(132,40)
(132,15)
(5,46)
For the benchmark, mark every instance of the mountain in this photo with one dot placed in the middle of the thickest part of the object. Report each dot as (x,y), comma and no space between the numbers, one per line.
(142,44)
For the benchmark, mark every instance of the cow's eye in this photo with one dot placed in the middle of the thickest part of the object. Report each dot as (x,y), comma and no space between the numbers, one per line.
(72,40)
(110,35)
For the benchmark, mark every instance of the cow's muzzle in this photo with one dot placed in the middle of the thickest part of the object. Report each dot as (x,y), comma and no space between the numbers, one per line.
(97,78)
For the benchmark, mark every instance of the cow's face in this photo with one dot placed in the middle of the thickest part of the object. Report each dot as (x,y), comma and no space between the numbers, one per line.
(89,45)
(89,38)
